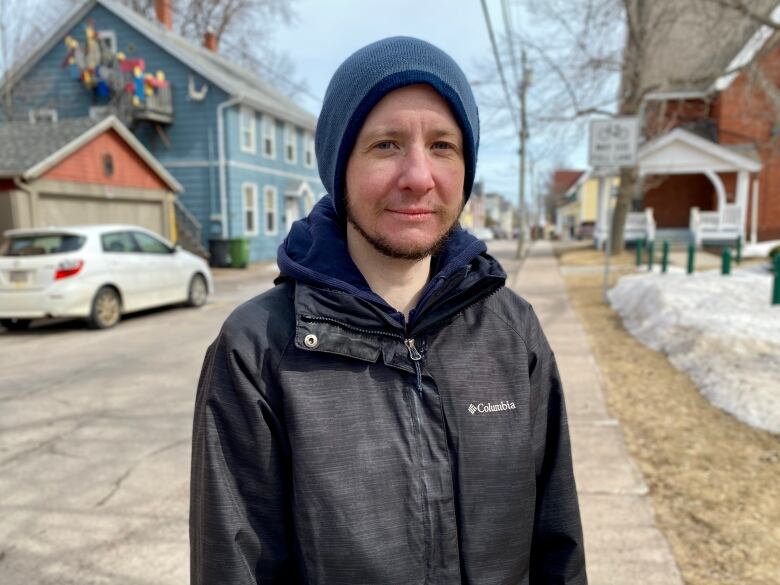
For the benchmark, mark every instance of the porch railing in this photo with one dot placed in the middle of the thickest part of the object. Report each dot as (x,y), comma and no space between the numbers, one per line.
(189,230)
(716,226)
(640,225)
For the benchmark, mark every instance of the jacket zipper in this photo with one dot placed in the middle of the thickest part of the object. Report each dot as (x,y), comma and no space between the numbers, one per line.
(416,357)
(417,423)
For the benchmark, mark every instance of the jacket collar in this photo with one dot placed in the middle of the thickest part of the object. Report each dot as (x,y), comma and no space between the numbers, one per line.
(315,255)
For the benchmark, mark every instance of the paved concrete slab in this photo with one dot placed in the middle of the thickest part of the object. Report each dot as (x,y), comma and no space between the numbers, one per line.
(622,542)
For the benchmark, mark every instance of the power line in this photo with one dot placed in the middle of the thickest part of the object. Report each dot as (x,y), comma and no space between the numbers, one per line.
(499,66)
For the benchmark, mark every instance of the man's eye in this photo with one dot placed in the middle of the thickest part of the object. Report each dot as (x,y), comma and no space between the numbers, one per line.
(442,145)
(386,145)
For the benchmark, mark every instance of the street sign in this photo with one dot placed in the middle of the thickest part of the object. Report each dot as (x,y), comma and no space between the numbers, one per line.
(613,142)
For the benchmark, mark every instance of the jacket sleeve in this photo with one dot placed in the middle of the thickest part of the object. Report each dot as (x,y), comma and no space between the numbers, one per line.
(240,522)
(557,551)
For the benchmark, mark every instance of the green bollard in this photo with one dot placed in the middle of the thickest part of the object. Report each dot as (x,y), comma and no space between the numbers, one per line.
(725,266)
(739,249)
(650,251)
(665,258)
(776,288)
(639,245)
(691,257)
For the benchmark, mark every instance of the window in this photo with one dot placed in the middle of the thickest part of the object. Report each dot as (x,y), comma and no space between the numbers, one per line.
(247,124)
(118,242)
(249,195)
(39,244)
(150,245)
(270,210)
(108,164)
(308,150)
(290,143)
(42,115)
(269,136)
(107,40)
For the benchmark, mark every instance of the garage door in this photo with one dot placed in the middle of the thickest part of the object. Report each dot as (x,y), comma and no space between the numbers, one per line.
(59,210)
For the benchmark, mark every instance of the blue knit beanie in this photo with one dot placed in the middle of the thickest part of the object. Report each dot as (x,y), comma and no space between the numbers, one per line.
(364,79)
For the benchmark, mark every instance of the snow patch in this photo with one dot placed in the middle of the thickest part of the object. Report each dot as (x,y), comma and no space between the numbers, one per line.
(720,330)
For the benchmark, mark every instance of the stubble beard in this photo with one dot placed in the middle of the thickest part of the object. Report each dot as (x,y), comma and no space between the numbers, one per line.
(387,248)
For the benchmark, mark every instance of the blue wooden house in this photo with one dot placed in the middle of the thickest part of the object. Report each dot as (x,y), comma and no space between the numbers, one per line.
(243,152)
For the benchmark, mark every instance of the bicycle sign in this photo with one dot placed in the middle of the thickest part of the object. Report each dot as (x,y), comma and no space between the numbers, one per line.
(613,142)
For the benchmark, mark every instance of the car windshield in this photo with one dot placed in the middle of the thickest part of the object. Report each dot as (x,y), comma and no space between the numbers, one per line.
(40,244)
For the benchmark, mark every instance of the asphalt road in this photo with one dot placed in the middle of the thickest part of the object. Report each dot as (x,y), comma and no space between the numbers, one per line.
(95,443)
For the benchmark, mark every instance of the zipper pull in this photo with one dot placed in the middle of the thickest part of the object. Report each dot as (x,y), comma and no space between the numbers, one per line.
(413,353)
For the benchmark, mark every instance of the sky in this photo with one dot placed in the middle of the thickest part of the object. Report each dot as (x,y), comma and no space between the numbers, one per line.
(328,31)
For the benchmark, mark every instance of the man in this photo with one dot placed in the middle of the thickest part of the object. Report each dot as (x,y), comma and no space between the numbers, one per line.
(389,413)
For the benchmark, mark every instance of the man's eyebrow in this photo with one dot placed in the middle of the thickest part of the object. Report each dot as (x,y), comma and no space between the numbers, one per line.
(395,133)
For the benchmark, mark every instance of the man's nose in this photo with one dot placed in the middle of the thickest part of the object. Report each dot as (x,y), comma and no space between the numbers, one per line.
(416,174)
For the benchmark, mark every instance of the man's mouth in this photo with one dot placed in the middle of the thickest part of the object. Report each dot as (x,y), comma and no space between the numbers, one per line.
(412,212)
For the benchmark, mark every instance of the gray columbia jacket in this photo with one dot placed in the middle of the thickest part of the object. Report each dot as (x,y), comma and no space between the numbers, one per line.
(334,444)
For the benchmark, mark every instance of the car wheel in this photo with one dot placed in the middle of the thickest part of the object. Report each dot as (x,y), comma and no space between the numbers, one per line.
(106,309)
(198,291)
(15,324)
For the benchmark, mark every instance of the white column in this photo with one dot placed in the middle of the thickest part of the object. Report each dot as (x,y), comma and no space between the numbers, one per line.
(741,199)
(602,229)
(720,190)
(754,214)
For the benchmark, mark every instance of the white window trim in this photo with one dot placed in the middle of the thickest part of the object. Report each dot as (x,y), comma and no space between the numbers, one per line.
(243,114)
(308,148)
(290,139)
(254,208)
(269,132)
(38,115)
(275,192)
(109,35)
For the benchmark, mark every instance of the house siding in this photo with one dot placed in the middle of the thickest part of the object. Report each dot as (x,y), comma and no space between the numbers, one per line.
(86,165)
(745,114)
(244,167)
(192,155)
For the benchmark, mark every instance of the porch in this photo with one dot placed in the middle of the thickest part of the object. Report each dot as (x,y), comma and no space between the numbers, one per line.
(715,214)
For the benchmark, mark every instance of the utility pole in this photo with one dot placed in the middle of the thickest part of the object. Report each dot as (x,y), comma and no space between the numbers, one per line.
(522,89)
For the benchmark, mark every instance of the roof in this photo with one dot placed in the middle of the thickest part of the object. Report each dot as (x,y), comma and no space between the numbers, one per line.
(683,151)
(563,179)
(571,192)
(23,145)
(28,150)
(748,52)
(231,78)
(694,43)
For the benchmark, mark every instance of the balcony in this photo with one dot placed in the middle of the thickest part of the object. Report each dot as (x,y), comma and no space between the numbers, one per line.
(157,108)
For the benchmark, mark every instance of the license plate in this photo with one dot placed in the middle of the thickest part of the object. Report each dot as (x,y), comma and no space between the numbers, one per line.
(19,277)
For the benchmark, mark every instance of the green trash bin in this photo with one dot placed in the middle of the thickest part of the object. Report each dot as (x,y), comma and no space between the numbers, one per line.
(239,252)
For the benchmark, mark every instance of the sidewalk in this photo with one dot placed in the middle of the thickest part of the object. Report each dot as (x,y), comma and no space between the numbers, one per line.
(622,543)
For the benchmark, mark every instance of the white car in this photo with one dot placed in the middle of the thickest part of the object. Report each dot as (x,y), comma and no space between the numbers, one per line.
(97,272)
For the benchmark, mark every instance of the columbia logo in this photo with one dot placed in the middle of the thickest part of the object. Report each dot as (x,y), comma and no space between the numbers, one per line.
(492,407)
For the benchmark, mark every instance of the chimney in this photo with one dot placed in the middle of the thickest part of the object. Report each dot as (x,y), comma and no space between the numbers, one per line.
(210,40)
(164,12)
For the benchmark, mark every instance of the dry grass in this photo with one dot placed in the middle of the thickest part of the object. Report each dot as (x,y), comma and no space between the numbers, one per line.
(715,482)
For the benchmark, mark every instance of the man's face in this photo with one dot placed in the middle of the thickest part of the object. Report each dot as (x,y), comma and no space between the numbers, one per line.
(405,176)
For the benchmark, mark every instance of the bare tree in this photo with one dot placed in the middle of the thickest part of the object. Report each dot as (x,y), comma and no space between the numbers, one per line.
(603,57)
(23,23)
(244,30)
